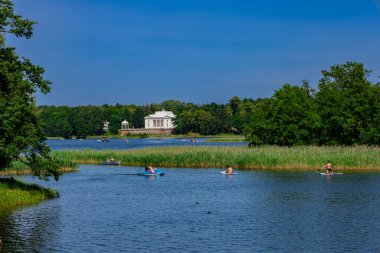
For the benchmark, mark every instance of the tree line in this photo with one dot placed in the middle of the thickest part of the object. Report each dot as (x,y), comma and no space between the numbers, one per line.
(207,119)
(344,109)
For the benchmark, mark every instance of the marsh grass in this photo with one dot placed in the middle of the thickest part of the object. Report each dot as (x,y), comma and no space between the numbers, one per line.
(260,158)
(19,168)
(226,139)
(14,192)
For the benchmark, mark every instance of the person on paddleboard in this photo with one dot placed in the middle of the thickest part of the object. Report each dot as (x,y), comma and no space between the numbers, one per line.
(229,169)
(328,168)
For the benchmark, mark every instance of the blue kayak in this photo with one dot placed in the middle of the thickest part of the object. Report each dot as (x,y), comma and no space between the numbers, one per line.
(156,173)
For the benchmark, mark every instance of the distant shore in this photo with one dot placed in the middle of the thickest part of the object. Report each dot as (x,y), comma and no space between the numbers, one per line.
(219,137)
(301,158)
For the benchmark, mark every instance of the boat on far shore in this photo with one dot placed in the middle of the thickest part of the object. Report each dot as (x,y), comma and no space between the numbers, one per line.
(103,140)
(111,162)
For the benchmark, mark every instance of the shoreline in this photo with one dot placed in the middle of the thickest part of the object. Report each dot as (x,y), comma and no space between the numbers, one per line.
(302,158)
(268,158)
(16,172)
(16,193)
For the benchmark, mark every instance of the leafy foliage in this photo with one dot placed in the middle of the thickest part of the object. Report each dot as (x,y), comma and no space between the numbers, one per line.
(344,111)
(348,105)
(21,130)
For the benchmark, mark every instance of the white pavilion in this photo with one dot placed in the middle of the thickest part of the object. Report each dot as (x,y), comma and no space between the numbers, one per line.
(160,120)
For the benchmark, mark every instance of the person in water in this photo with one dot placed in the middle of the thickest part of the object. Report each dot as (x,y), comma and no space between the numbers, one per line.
(229,169)
(149,168)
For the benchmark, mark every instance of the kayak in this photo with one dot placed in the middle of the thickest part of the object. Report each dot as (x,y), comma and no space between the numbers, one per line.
(225,173)
(156,173)
(330,174)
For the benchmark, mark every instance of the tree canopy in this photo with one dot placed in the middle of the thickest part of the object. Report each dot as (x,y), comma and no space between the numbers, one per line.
(21,130)
(343,111)
(348,104)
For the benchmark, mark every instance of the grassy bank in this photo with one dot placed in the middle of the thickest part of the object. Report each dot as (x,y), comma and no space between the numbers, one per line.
(260,158)
(18,168)
(15,193)
(226,139)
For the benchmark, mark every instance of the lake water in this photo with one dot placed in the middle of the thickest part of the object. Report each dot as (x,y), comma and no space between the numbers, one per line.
(134,143)
(106,209)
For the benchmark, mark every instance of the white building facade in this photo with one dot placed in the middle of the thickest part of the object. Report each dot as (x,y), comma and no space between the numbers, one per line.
(160,120)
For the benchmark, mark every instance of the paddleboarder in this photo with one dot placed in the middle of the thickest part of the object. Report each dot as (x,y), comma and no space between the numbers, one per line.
(229,169)
(328,168)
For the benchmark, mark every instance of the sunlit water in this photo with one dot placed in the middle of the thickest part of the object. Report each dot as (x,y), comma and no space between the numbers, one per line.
(106,209)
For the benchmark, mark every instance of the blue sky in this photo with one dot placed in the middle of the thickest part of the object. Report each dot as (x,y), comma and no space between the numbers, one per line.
(138,52)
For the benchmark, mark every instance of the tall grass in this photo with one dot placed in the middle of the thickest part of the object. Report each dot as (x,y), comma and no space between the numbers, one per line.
(19,168)
(15,193)
(267,157)
(227,139)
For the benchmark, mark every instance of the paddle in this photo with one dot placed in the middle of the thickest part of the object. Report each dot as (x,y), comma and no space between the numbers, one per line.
(319,170)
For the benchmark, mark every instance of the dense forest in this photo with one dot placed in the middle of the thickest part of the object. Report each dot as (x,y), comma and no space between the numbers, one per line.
(344,109)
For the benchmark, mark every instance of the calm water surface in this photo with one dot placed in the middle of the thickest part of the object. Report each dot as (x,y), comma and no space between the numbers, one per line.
(134,143)
(105,209)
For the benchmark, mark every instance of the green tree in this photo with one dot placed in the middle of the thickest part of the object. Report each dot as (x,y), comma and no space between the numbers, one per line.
(114,117)
(220,121)
(56,121)
(202,122)
(240,114)
(183,122)
(289,119)
(21,131)
(294,116)
(174,105)
(138,118)
(259,130)
(348,105)
(80,120)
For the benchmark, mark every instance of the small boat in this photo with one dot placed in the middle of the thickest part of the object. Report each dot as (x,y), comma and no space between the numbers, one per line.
(156,173)
(111,162)
(225,173)
(103,140)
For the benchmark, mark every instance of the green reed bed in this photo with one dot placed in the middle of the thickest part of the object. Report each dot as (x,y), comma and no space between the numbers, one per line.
(15,193)
(226,139)
(19,168)
(267,157)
